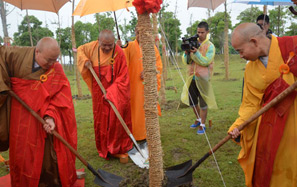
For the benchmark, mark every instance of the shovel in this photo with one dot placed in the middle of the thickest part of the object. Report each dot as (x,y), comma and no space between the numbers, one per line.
(139,160)
(182,173)
(102,178)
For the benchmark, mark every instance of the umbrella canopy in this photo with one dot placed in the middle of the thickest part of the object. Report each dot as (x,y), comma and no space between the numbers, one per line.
(211,4)
(46,5)
(265,2)
(86,7)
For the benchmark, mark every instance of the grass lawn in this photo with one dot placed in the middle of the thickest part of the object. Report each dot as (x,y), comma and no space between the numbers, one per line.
(179,142)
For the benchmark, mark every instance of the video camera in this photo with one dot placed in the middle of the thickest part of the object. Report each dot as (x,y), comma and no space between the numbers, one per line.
(190,43)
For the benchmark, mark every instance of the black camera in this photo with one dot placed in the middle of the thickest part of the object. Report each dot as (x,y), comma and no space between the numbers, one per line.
(190,43)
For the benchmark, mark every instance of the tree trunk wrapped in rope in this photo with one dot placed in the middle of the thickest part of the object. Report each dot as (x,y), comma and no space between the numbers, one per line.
(150,100)
(144,8)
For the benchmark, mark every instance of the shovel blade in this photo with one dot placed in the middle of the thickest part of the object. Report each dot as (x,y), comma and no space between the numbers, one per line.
(111,180)
(137,158)
(173,174)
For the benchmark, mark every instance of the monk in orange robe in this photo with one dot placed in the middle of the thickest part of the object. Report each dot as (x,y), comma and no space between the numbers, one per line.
(38,158)
(109,62)
(134,60)
(268,156)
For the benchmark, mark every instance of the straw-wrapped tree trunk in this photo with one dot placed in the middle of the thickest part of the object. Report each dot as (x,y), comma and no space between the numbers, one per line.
(150,94)
(79,92)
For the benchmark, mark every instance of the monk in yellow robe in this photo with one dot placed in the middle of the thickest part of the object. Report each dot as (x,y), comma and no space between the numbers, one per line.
(268,156)
(134,61)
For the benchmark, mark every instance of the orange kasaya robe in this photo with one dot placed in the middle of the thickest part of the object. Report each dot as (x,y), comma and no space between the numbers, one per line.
(134,60)
(110,136)
(268,156)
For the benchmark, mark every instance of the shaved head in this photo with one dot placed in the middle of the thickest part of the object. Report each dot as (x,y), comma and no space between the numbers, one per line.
(250,41)
(106,41)
(47,52)
(47,43)
(106,35)
(245,31)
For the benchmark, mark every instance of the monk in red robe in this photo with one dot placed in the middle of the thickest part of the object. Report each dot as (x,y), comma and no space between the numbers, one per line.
(33,73)
(109,63)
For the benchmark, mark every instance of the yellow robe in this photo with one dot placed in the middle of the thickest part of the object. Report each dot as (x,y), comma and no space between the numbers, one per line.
(257,78)
(202,67)
(134,61)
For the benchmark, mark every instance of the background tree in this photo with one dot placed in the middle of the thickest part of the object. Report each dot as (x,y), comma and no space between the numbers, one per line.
(278,21)
(3,17)
(292,29)
(22,37)
(85,32)
(104,21)
(171,27)
(128,30)
(216,28)
(65,42)
(192,29)
(248,15)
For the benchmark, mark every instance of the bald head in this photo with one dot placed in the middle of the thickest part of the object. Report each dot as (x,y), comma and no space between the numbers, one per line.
(47,52)
(106,41)
(47,43)
(106,35)
(250,41)
(245,31)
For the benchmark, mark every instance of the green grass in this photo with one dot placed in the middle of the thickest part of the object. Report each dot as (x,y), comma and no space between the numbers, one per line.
(179,142)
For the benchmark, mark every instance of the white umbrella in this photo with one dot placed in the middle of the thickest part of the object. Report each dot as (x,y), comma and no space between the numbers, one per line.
(210,4)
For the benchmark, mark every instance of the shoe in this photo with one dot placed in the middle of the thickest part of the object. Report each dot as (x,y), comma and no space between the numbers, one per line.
(124,158)
(201,131)
(193,126)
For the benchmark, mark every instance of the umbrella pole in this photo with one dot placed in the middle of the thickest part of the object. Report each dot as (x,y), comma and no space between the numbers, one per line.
(116,23)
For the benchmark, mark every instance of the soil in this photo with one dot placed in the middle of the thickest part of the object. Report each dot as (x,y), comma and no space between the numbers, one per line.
(140,178)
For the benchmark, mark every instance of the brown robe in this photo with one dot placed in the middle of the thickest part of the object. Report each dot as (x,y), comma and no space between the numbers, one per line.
(18,62)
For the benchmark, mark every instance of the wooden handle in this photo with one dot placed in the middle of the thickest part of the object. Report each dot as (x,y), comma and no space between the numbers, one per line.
(273,102)
(111,104)
(116,110)
(55,133)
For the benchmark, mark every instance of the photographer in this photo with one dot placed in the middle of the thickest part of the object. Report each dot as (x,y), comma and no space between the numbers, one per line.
(198,88)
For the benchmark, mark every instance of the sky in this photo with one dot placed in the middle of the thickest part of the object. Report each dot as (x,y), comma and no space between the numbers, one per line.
(183,14)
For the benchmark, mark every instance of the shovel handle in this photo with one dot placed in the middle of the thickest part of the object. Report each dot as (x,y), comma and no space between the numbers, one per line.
(273,102)
(57,135)
(116,111)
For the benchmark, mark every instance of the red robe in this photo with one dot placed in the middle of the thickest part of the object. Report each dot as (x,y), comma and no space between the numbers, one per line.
(110,136)
(27,137)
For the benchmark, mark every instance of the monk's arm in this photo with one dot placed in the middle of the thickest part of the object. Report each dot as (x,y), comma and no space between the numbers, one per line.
(250,105)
